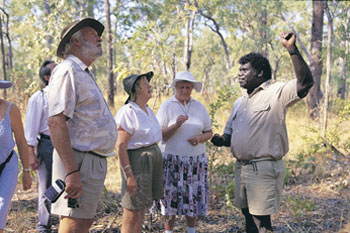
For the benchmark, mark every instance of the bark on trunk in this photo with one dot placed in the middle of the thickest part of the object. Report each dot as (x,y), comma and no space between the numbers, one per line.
(315,93)
(109,54)
(344,59)
(328,72)
(189,41)
(2,55)
(262,32)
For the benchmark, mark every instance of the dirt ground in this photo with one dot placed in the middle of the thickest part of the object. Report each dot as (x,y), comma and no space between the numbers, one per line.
(306,207)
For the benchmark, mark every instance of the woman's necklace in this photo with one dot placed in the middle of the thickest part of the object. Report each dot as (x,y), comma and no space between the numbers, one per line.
(185,108)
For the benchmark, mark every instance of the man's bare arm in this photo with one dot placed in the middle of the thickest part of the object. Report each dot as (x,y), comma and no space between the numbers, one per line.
(61,141)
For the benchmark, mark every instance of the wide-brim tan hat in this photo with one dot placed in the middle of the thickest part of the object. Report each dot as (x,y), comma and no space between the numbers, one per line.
(129,82)
(186,76)
(5,84)
(72,28)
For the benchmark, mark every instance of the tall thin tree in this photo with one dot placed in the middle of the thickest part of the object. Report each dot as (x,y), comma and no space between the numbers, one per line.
(188,46)
(346,43)
(328,68)
(2,53)
(315,93)
(109,54)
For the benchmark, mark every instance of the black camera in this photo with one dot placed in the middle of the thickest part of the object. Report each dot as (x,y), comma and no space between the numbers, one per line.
(55,190)
(73,203)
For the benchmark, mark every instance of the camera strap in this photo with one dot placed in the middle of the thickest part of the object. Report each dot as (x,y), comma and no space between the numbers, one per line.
(2,166)
(72,172)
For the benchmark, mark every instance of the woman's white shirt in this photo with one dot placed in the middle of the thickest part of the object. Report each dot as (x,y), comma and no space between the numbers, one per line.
(198,122)
(144,128)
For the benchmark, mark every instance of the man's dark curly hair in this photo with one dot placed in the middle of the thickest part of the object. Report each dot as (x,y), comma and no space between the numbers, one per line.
(45,71)
(258,62)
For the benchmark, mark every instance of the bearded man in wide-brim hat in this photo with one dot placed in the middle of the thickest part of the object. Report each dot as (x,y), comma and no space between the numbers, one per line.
(81,125)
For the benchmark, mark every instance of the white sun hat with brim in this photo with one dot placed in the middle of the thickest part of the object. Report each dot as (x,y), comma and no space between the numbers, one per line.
(186,76)
(5,84)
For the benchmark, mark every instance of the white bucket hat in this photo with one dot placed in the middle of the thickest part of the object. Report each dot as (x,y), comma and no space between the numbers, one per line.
(5,84)
(186,76)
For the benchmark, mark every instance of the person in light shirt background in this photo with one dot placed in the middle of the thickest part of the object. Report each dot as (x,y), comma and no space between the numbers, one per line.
(140,157)
(185,127)
(37,134)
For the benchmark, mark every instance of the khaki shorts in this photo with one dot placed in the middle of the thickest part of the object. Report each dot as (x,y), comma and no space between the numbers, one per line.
(260,188)
(147,166)
(93,171)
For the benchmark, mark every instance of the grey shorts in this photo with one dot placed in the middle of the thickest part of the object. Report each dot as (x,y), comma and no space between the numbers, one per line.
(147,166)
(93,171)
(259,187)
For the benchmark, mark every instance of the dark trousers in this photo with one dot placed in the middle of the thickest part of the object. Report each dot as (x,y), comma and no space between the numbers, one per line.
(45,150)
(257,223)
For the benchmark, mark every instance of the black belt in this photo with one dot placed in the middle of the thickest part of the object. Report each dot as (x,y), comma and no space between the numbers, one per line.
(90,152)
(45,136)
(2,166)
(254,161)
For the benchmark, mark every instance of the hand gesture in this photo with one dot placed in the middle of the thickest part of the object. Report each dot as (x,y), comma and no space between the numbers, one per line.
(288,39)
(194,141)
(74,187)
(180,120)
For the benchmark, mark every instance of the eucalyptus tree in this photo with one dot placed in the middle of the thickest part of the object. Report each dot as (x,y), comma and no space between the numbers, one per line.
(315,93)
(109,54)
(342,44)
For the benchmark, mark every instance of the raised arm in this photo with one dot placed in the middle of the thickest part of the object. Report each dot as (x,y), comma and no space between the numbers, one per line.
(302,70)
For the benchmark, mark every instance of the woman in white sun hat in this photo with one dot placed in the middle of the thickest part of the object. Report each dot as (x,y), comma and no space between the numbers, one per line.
(11,123)
(185,127)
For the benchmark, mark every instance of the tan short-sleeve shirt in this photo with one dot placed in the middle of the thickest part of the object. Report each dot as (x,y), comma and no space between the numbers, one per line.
(74,92)
(257,125)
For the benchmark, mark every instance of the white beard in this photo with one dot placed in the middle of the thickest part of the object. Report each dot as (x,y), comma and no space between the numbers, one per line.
(90,50)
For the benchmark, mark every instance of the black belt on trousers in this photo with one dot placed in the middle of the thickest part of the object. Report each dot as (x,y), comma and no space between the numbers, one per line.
(2,166)
(45,136)
(254,161)
(90,152)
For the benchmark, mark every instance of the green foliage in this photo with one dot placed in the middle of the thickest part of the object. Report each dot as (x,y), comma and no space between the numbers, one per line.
(297,205)
(225,94)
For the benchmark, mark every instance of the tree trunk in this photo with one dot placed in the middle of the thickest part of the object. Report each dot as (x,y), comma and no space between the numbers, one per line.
(344,60)
(315,93)
(3,55)
(109,55)
(262,32)
(328,72)
(48,11)
(189,39)
(216,29)
(205,78)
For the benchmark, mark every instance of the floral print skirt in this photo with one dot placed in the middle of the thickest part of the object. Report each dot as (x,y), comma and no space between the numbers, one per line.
(186,188)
